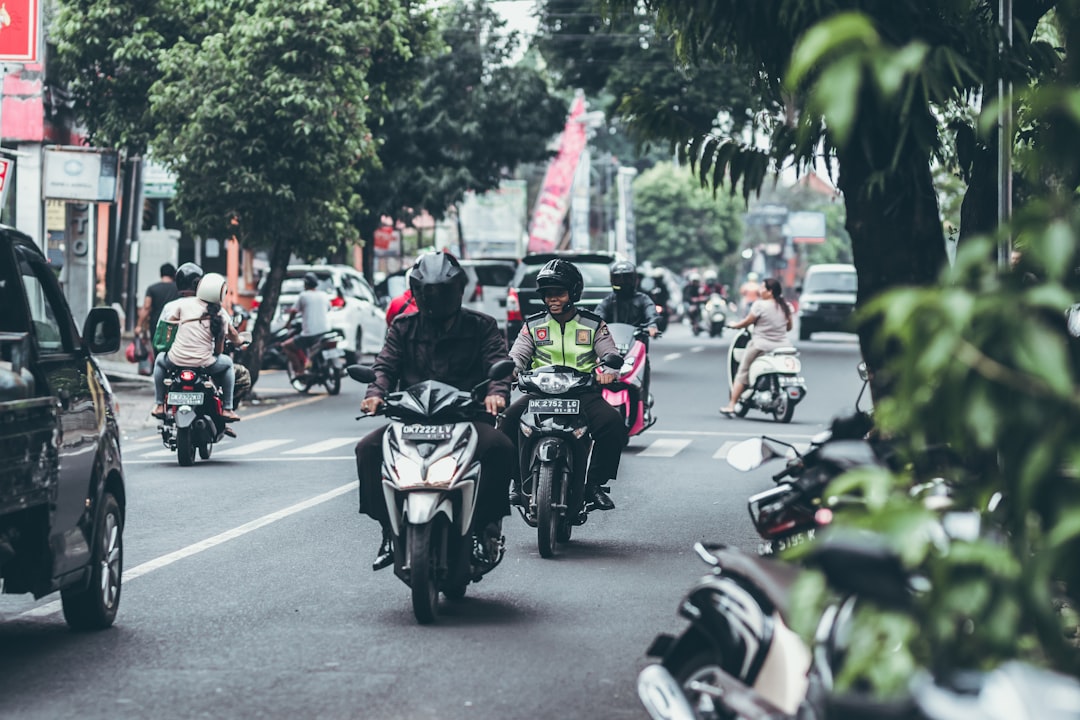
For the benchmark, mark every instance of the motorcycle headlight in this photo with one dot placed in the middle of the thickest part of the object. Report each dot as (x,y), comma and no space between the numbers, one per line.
(552,383)
(441,472)
(408,473)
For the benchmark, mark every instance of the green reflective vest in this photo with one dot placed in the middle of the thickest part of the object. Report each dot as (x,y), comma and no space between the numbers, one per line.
(570,345)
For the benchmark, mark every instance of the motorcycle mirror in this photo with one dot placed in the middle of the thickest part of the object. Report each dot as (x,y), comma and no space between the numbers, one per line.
(613,360)
(361,373)
(864,374)
(500,370)
(749,454)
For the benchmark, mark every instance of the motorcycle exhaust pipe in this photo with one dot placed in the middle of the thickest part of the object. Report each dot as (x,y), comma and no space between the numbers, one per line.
(662,696)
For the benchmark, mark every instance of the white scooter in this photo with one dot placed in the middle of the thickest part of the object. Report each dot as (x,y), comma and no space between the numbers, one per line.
(774,386)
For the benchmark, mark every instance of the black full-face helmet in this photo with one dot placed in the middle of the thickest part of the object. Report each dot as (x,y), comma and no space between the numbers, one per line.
(562,274)
(624,278)
(187,277)
(438,285)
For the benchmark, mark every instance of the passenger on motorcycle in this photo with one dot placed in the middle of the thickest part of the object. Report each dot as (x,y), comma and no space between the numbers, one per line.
(313,307)
(771,317)
(565,335)
(201,328)
(454,345)
(627,304)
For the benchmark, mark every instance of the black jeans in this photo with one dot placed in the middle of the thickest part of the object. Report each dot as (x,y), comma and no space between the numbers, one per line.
(605,425)
(496,455)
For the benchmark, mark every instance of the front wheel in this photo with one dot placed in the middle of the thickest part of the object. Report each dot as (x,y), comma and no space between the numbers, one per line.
(333,380)
(699,671)
(185,447)
(297,381)
(423,572)
(547,515)
(94,607)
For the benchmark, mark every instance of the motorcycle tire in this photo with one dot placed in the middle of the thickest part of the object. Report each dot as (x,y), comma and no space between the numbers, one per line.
(698,670)
(297,381)
(784,409)
(423,556)
(204,451)
(185,447)
(333,380)
(741,409)
(547,516)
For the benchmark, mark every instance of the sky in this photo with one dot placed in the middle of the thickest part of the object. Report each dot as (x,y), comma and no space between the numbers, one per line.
(518,14)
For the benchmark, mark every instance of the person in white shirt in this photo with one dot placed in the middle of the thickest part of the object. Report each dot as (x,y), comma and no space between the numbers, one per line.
(202,326)
(313,306)
(771,317)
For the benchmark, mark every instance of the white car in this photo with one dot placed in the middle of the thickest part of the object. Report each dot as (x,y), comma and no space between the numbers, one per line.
(353,309)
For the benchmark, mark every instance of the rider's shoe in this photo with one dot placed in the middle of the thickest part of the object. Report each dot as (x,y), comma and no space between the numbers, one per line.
(517,497)
(597,499)
(487,545)
(385,558)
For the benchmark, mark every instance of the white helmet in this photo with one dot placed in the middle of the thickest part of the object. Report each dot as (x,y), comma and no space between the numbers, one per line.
(212,288)
(710,276)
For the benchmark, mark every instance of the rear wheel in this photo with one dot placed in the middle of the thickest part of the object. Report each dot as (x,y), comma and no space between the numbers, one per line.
(185,447)
(547,516)
(333,380)
(423,572)
(94,607)
(784,407)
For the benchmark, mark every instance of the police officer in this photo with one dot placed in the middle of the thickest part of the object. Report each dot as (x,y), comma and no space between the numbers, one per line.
(567,335)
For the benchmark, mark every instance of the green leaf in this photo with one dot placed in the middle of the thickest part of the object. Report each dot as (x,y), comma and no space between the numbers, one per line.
(825,38)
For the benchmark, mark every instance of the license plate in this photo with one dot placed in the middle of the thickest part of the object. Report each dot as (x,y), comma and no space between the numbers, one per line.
(778,546)
(333,353)
(554,406)
(791,380)
(184,398)
(427,432)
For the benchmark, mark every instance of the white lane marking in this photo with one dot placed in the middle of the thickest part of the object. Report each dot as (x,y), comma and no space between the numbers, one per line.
(664,448)
(165,452)
(252,448)
(721,454)
(713,433)
(672,356)
(697,348)
(322,446)
(208,543)
(237,460)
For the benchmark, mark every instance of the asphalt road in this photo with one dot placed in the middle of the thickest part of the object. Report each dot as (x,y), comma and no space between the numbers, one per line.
(248,591)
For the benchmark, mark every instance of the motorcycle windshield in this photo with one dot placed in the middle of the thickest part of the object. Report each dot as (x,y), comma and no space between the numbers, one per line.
(623,335)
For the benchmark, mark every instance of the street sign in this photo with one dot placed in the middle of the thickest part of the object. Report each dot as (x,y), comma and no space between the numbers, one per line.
(19,23)
(806,227)
(5,173)
(384,237)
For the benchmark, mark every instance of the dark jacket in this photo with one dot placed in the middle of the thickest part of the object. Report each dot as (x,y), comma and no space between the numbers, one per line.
(638,309)
(460,355)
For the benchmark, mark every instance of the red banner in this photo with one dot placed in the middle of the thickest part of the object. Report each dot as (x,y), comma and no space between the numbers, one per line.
(19,23)
(554,199)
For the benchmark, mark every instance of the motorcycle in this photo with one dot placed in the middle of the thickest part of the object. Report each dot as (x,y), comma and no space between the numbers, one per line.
(774,385)
(625,394)
(555,443)
(717,311)
(327,365)
(192,420)
(693,313)
(430,473)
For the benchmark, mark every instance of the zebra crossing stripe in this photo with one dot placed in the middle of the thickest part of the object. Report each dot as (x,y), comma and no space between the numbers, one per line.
(322,446)
(252,448)
(664,448)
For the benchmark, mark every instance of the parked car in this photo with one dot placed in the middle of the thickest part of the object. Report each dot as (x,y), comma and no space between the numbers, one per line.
(353,307)
(827,299)
(522,299)
(62,497)
(488,280)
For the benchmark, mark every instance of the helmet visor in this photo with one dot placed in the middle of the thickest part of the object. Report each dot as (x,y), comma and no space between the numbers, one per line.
(438,301)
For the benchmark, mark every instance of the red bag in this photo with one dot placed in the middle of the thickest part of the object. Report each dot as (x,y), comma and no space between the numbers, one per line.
(129,353)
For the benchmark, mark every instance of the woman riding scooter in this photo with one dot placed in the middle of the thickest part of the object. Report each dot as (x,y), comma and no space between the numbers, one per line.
(771,317)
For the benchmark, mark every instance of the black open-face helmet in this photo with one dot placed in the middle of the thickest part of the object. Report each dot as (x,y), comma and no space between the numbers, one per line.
(624,278)
(187,277)
(311,281)
(559,273)
(438,285)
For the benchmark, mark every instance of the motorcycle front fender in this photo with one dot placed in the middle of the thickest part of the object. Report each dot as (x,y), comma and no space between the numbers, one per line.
(185,416)
(551,450)
(421,507)
(662,695)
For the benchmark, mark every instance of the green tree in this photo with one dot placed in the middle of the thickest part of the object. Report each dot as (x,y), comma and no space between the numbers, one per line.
(678,224)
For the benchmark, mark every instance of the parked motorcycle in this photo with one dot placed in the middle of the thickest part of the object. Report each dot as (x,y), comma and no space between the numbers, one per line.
(555,444)
(327,365)
(775,385)
(626,394)
(192,420)
(717,311)
(430,472)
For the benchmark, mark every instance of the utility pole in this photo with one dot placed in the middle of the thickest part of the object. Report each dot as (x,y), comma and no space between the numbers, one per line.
(1004,123)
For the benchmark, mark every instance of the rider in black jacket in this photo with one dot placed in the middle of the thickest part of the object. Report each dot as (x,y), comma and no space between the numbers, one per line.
(627,304)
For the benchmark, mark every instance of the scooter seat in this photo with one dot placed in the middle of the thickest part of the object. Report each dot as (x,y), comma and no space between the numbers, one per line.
(784,351)
(773,577)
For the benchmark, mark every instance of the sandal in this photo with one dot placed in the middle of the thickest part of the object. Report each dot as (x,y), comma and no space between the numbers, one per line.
(230,416)
(727,413)
(158,412)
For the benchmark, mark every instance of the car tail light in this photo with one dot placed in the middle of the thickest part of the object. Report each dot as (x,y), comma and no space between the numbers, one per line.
(477,293)
(513,307)
(255,304)
(187,376)
(337,302)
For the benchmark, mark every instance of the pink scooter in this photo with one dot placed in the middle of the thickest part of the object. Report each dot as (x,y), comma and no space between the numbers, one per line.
(626,394)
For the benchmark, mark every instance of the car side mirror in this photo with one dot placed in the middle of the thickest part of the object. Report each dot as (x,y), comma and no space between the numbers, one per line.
(361,373)
(101,331)
(613,360)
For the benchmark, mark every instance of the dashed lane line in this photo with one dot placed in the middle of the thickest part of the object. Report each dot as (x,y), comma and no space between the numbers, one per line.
(322,446)
(252,448)
(664,447)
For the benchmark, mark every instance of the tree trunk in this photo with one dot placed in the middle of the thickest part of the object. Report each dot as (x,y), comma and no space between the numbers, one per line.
(279,263)
(367,224)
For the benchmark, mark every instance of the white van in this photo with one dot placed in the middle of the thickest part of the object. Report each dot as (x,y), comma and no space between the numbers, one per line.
(827,299)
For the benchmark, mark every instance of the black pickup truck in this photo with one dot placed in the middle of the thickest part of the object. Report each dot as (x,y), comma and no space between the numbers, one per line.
(62,499)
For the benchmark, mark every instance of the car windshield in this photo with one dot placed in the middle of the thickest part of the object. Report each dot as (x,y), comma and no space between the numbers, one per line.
(594,275)
(498,275)
(837,282)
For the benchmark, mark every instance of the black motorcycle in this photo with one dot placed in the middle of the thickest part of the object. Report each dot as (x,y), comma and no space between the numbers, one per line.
(192,420)
(555,444)
(326,366)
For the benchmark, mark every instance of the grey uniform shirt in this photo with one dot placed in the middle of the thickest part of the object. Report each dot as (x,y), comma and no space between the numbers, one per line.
(314,309)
